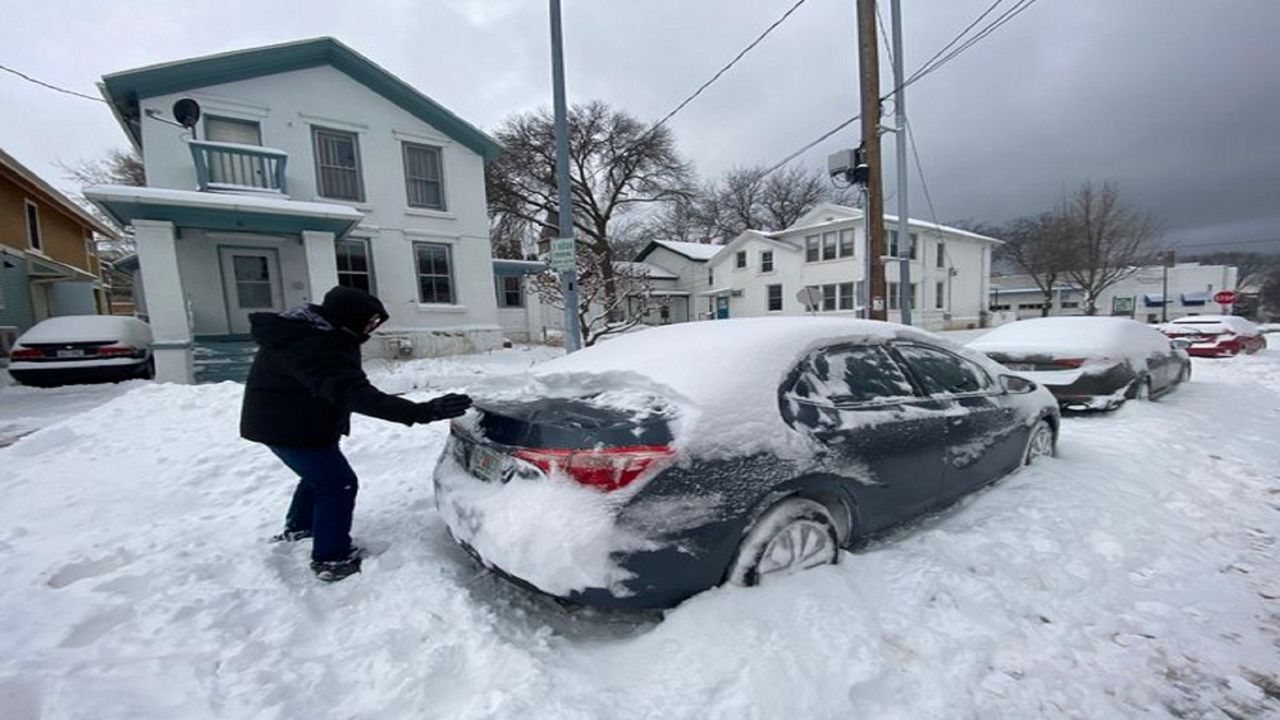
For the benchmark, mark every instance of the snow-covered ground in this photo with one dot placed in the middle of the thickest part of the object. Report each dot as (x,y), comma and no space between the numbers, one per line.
(1135,575)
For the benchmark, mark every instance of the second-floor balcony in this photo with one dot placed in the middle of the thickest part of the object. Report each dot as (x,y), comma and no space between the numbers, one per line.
(232,167)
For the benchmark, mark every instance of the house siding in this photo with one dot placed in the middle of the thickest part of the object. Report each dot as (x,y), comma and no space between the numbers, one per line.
(15,291)
(62,236)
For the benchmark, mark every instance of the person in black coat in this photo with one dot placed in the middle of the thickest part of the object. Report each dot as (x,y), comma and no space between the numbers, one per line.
(305,382)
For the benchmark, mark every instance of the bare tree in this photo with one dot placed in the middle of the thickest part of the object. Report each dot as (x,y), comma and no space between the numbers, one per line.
(119,167)
(618,167)
(1038,246)
(601,313)
(745,198)
(1251,267)
(1109,238)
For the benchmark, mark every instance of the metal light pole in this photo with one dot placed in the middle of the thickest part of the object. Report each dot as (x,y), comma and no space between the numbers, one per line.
(569,272)
(905,296)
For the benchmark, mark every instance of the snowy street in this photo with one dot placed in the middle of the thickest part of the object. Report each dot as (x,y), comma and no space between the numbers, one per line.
(1134,575)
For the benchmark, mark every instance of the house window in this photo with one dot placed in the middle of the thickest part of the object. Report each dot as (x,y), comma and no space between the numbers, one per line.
(1069,304)
(941,254)
(811,243)
(893,295)
(33,226)
(844,291)
(766,261)
(424,176)
(338,165)
(915,295)
(940,295)
(435,273)
(509,292)
(354,268)
(891,239)
(740,259)
(241,132)
(711,277)
(846,243)
(828,246)
(775,297)
(828,298)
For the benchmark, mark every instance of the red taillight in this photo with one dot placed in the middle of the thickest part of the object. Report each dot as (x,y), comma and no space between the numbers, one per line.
(116,351)
(26,354)
(1069,362)
(606,468)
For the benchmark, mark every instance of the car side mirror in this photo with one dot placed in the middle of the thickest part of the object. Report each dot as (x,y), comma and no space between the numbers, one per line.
(1180,344)
(1015,385)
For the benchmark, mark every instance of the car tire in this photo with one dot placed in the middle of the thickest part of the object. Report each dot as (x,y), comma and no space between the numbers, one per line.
(1184,375)
(150,372)
(1141,389)
(1040,443)
(795,534)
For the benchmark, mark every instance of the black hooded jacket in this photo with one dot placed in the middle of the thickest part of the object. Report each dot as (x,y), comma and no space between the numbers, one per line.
(306,379)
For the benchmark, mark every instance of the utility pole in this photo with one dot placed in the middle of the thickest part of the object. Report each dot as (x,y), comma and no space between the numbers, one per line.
(873,217)
(905,296)
(569,272)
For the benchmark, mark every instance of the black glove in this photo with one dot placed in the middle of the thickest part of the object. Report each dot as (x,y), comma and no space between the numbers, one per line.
(443,408)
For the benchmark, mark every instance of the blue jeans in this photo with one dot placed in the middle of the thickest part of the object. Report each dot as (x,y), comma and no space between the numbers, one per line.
(324,499)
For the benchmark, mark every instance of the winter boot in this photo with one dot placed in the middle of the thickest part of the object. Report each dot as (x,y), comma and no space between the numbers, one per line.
(335,570)
(291,536)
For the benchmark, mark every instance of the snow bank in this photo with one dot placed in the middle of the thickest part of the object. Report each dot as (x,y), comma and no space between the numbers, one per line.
(1126,578)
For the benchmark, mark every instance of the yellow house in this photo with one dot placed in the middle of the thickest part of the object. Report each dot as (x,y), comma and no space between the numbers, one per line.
(49,261)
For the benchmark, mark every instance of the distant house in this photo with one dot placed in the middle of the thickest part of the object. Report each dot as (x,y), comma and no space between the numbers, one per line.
(825,254)
(1141,295)
(49,261)
(309,167)
(688,263)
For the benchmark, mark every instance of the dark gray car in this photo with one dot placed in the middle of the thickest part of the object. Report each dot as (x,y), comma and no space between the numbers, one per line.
(642,480)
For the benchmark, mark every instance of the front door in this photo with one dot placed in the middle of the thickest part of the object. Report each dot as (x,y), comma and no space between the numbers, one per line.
(251,281)
(722,308)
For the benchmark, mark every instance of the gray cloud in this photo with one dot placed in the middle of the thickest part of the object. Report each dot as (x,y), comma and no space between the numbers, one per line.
(1174,99)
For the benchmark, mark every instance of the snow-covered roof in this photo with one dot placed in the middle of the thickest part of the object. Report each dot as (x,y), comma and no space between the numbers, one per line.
(644,269)
(195,198)
(694,251)
(844,213)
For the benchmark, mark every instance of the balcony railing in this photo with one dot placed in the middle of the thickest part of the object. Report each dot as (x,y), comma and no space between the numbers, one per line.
(233,167)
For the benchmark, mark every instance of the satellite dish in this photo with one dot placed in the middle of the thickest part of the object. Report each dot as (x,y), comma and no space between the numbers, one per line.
(186,111)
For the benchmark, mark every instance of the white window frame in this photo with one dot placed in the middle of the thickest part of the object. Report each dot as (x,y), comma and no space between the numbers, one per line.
(941,261)
(813,247)
(368,261)
(766,261)
(740,260)
(418,275)
(316,131)
(768,297)
(940,295)
(840,246)
(405,147)
(498,283)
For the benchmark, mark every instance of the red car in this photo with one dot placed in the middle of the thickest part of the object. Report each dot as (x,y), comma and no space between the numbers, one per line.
(1216,335)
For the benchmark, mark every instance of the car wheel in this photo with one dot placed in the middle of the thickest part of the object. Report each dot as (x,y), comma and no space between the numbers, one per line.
(150,373)
(1184,375)
(793,535)
(1141,389)
(1040,443)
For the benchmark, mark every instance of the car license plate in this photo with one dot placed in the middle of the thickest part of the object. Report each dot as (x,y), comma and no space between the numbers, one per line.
(487,464)
(1021,367)
(70,353)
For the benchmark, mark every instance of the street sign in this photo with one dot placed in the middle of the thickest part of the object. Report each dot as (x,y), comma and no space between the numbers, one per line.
(563,255)
(810,298)
(1224,297)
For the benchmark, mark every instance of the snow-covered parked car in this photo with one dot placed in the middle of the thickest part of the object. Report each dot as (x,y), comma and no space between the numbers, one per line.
(75,349)
(1216,335)
(639,472)
(1089,363)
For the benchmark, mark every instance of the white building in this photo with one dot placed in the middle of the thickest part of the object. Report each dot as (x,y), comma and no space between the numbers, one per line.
(1140,296)
(310,167)
(762,273)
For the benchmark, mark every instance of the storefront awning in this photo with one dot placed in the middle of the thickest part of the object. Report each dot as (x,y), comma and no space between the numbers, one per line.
(1195,298)
(1153,299)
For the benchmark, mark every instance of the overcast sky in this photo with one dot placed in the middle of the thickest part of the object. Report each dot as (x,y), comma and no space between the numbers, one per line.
(1177,100)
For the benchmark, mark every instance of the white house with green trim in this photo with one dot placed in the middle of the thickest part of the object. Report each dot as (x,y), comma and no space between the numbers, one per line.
(309,167)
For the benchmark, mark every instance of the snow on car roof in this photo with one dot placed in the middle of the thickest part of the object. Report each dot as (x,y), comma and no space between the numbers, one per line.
(1074,336)
(78,328)
(724,374)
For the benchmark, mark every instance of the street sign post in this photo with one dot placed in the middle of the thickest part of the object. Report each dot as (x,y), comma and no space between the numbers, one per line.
(563,256)
(810,298)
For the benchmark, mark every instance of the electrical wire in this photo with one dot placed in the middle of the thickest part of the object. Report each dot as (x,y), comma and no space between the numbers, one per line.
(50,86)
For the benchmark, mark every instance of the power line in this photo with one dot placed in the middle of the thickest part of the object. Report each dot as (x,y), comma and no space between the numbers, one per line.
(50,86)
(1225,243)
(924,184)
(751,46)
(940,58)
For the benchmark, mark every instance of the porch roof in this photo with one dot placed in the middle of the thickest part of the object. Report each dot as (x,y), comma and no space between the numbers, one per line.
(215,211)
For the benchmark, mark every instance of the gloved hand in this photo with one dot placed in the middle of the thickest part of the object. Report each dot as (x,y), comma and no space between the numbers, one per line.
(443,408)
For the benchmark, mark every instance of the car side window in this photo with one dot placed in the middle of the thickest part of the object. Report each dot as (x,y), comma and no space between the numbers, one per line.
(942,373)
(851,374)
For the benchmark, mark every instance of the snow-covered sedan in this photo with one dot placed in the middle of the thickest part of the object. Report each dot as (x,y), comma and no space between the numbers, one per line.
(76,349)
(1089,363)
(639,472)
(1216,335)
